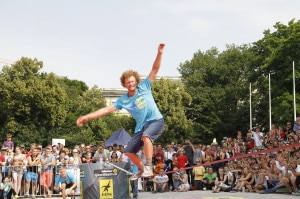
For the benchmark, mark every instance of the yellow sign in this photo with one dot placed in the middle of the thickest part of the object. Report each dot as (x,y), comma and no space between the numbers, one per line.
(106,188)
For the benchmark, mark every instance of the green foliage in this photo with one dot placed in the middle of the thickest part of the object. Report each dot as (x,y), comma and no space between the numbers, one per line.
(30,101)
(211,100)
(275,54)
(218,84)
(171,99)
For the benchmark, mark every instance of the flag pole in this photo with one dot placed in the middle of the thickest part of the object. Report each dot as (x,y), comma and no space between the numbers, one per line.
(270,107)
(250,102)
(294,92)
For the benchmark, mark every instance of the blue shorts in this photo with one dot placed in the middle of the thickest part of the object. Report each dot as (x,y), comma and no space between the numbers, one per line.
(152,129)
(31,176)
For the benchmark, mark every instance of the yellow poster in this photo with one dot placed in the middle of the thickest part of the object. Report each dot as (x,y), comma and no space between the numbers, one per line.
(106,188)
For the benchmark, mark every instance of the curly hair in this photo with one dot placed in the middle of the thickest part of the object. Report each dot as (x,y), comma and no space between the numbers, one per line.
(128,74)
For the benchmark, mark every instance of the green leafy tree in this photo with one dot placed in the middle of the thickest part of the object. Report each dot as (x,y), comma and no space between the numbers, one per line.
(275,53)
(32,103)
(219,87)
(98,129)
(171,99)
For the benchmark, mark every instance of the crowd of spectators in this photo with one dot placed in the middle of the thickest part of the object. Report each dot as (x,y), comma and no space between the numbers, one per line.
(177,166)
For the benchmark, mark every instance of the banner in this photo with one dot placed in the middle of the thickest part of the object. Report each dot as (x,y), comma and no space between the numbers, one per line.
(104,181)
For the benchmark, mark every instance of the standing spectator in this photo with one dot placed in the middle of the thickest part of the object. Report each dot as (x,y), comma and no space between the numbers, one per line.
(32,146)
(158,159)
(115,150)
(174,146)
(114,157)
(288,129)
(61,160)
(23,149)
(74,163)
(249,142)
(258,138)
(18,162)
(168,159)
(189,152)
(100,155)
(32,172)
(8,143)
(182,160)
(134,183)
(197,154)
(218,155)
(105,150)
(2,163)
(46,178)
(88,158)
(124,157)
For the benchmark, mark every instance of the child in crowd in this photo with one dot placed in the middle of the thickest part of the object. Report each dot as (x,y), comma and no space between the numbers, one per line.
(6,189)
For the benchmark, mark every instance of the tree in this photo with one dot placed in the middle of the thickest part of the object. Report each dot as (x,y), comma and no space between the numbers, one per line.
(275,53)
(219,87)
(171,99)
(32,103)
(98,129)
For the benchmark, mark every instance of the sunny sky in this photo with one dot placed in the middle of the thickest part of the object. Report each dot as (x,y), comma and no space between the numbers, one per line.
(95,41)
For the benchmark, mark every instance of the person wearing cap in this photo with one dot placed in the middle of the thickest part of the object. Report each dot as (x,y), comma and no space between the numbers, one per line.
(139,102)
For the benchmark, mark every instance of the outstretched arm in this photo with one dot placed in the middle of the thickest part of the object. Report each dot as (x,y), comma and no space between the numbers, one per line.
(99,113)
(156,64)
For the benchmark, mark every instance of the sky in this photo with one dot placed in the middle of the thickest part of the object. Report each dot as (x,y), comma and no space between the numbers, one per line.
(94,41)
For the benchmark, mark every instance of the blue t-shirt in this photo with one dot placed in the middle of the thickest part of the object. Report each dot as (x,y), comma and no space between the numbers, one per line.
(141,106)
(68,180)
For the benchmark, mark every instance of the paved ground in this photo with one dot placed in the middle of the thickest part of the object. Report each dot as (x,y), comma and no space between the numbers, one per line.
(210,195)
(206,195)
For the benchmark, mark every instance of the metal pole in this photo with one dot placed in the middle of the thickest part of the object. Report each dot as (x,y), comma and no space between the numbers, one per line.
(250,102)
(294,92)
(270,107)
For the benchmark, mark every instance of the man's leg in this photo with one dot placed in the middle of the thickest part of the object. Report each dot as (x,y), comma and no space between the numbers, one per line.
(63,190)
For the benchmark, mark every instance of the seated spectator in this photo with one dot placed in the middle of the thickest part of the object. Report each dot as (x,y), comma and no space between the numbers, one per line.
(7,190)
(245,181)
(209,179)
(277,179)
(221,182)
(176,178)
(160,182)
(260,178)
(229,178)
(198,173)
(184,183)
